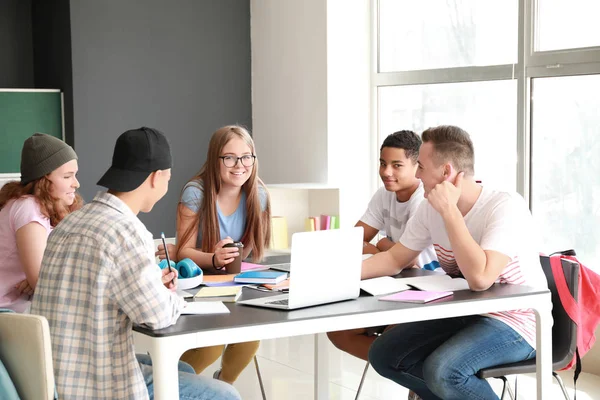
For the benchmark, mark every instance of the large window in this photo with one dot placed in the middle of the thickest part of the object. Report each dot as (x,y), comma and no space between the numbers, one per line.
(485,109)
(567,24)
(565,164)
(417,35)
(522,77)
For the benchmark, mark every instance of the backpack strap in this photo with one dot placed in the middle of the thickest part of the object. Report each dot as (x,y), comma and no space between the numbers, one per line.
(567,300)
(576,373)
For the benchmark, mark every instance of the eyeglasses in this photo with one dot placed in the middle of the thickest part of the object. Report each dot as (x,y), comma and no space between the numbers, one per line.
(231,161)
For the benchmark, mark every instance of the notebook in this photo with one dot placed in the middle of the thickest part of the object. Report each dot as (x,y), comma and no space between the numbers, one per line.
(260,277)
(282,286)
(416,296)
(383,285)
(436,283)
(246,266)
(208,307)
(219,293)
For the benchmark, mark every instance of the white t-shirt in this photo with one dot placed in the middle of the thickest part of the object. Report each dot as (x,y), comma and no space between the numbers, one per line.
(498,221)
(385,213)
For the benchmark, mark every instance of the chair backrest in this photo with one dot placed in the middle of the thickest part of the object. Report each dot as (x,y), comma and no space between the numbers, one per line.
(564,330)
(26,352)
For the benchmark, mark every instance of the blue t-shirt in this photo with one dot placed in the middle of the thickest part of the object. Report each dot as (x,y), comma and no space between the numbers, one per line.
(230,225)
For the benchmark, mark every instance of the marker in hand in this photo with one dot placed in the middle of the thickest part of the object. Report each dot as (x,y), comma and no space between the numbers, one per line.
(162,236)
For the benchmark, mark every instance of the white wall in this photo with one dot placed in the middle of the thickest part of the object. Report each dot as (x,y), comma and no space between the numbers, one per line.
(350,147)
(9,177)
(289,89)
(591,361)
(310,97)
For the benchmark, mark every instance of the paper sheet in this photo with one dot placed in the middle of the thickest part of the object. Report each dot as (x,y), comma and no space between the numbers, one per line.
(207,307)
(436,283)
(383,285)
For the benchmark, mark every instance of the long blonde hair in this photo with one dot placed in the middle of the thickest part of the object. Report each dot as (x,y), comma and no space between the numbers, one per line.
(40,189)
(257,234)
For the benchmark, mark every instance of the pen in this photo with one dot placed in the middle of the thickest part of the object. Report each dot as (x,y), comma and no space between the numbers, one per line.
(162,236)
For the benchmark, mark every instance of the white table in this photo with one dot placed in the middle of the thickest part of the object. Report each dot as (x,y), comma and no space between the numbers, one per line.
(245,323)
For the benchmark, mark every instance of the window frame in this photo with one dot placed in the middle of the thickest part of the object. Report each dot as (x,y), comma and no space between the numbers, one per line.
(530,64)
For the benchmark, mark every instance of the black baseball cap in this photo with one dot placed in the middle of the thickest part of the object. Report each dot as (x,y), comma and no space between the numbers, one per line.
(138,153)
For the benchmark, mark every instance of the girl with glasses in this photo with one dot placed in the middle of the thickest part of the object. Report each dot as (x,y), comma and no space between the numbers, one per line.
(225,202)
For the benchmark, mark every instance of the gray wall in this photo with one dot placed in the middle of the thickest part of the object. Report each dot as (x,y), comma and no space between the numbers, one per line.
(182,67)
(52,53)
(16,48)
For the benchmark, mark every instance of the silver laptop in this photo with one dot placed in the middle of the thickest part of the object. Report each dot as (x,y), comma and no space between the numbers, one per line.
(325,267)
(279,262)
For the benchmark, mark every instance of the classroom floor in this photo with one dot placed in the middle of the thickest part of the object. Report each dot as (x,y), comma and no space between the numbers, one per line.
(287,367)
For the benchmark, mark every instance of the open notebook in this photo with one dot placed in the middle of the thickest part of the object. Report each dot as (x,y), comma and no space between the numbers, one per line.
(434,283)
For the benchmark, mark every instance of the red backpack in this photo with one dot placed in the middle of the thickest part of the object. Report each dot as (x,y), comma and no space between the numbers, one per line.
(585,310)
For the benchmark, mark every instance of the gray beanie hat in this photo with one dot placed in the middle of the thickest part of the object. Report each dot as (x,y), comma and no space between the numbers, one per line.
(42,154)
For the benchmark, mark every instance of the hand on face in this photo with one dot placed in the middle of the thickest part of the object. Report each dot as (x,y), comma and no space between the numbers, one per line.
(445,195)
(225,255)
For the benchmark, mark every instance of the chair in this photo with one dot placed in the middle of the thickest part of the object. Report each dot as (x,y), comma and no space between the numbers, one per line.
(260,381)
(375,331)
(362,381)
(26,352)
(564,333)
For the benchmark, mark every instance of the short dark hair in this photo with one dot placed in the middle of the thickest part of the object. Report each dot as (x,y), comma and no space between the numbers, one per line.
(406,140)
(454,144)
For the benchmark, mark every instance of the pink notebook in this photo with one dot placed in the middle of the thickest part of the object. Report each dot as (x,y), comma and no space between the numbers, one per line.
(416,296)
(246,266)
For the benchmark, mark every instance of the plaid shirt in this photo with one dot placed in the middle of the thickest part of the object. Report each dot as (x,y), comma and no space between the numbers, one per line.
(99,277)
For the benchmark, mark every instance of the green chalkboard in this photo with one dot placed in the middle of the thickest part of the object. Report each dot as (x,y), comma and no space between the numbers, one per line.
(23,113)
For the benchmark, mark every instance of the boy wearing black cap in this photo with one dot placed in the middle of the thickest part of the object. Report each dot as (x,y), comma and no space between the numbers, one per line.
(99,277)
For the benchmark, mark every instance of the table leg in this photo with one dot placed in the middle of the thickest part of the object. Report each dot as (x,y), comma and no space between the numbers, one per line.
(321,367)
(165,373)
(544,350)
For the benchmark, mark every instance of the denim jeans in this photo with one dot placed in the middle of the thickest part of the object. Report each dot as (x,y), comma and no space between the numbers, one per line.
(191,386)
(438,359)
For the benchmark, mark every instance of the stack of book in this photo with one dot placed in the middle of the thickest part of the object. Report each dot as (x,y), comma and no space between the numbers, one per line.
(260,277)
(322,222)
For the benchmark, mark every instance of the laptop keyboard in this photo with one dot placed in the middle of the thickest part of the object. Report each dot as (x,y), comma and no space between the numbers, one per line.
(283,302)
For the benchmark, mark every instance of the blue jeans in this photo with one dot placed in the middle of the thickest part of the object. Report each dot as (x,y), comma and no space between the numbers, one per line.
(191,386)
(438,359)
